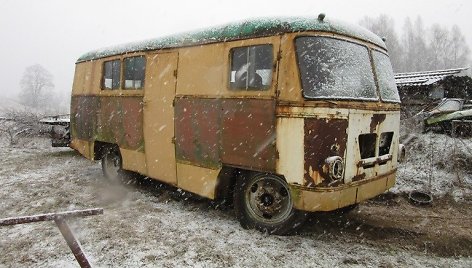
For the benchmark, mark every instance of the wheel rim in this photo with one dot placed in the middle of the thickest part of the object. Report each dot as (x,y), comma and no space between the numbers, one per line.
(112,165)
(268,199)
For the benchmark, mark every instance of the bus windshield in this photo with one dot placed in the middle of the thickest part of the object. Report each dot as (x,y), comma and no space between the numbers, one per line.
(336,69)
(387,86)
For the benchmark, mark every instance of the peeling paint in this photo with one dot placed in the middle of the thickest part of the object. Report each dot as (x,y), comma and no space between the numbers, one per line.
(323,138)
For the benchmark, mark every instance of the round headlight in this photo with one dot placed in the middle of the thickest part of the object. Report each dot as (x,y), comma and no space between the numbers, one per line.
(335,167)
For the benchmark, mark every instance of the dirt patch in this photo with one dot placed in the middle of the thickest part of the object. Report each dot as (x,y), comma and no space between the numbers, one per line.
(442,229)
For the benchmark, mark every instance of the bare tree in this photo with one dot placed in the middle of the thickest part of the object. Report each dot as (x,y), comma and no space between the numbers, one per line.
(36,84)
(414,42)
(384,26)
(459,50)
(439,48)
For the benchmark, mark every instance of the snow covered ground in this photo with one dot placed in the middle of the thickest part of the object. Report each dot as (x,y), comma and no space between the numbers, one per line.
(143,226)
(437,163)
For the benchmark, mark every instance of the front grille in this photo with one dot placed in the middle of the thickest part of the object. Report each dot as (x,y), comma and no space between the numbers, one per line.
(367,145)
(385,143)
(367,148)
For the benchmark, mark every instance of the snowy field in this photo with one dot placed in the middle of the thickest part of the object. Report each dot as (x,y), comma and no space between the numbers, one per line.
(144,224)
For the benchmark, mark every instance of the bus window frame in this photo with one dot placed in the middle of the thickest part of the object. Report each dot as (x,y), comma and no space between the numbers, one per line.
(121,91)
(102,72)
(276,42)
(379,93)
(340,38)
(254,89)
(123,70)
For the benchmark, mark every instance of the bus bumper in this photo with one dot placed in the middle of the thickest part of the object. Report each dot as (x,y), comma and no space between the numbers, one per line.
(332,198)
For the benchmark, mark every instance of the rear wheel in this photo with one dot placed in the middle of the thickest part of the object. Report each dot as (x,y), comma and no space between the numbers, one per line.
(263,201)
(112,165)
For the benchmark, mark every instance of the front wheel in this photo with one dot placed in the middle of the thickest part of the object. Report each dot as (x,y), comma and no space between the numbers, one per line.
(263,201)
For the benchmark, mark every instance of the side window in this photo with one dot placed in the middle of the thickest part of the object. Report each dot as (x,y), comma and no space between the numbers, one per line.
(251,67)
(134,71)
(111,74)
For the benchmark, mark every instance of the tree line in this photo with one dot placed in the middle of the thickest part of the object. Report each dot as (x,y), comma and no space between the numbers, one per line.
(419,47)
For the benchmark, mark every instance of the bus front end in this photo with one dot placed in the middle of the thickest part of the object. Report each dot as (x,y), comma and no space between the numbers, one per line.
(340,145)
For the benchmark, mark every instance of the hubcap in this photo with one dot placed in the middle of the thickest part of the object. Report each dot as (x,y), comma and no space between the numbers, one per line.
(268,199)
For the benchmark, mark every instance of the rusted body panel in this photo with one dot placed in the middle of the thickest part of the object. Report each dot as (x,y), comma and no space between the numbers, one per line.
(198,131)
(83,119)
(237,132)
(248,133)
(323,138)
(116,120)
(329,132)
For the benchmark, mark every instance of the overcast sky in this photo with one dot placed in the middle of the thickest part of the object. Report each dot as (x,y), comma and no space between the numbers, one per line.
(55,33)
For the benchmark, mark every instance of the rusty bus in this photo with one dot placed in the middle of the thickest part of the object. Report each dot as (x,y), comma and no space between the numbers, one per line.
(282,116)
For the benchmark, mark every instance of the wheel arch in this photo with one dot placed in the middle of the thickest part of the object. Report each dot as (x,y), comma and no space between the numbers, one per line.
(228,177)
(99,148)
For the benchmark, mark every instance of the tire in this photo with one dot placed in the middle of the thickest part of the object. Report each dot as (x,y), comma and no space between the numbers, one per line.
(263,201)
(112,165)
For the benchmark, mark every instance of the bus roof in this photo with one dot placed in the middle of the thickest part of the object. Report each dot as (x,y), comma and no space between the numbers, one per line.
(252,28)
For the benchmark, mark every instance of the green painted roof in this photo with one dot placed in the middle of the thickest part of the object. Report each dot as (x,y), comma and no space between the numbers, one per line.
(240,30)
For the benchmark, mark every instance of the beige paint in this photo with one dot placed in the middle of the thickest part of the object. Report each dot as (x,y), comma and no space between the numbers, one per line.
(204,70)
(359,123)
(78,84)
(290,143)
(84,147)
(199,180)
(327,199)
(88,78)
(159,95)
(371,189)
(133,161)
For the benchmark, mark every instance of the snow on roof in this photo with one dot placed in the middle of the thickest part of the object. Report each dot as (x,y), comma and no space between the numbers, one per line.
(425,78)
(239,30)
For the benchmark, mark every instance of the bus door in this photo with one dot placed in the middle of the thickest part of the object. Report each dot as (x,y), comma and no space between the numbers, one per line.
(158,130)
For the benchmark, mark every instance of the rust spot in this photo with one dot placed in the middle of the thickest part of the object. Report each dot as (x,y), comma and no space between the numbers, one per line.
(376,120)
(248,133)
(117,120)
(239,132)
(323,138)
(133,122)
(83,117)
(197,131)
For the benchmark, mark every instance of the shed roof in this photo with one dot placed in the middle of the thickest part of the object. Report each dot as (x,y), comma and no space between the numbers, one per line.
(425,78)
(239,30)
